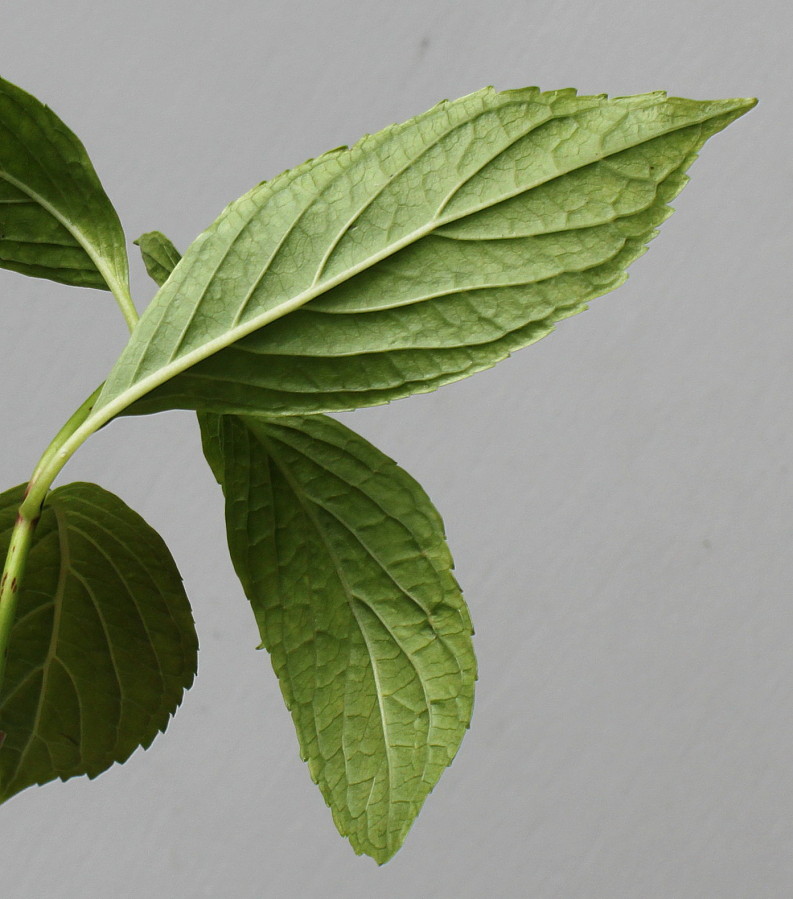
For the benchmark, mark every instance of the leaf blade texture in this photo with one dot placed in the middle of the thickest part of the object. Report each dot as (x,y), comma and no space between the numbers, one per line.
(103,644)
(343,559)
(56,220)
(424,253)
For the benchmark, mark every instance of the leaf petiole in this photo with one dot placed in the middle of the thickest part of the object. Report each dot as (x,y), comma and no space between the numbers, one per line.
(125,303)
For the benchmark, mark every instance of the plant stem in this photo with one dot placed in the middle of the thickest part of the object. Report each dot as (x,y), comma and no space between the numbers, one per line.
(12,580)
(76,430)
(66,442)
(50,464)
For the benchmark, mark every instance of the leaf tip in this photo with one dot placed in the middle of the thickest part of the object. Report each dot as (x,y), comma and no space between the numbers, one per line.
(381,855)
(738,106)
(147,237)
(725,112)
(747,102)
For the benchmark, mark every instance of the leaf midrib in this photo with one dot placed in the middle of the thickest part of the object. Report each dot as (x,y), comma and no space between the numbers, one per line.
(351,599)
(77,233)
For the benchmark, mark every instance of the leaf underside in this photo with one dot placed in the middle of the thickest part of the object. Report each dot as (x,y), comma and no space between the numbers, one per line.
(343,559)
(56,220)
(424,253)
(103,644)
(342,510)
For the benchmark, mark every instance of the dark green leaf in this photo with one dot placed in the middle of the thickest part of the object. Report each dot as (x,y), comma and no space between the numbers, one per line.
(343,558)
(426,252)
(103,644)
(55,219)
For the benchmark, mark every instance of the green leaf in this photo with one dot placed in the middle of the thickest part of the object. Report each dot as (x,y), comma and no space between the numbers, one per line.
(426,252)
(159,255)
(268,473)
(343,558)
(55,218)
(103,643)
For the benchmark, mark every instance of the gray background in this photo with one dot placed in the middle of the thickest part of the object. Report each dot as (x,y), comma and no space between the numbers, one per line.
(618,497)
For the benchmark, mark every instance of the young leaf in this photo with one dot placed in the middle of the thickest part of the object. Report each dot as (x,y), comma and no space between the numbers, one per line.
(426,252)
(55,218)
(343,558)
(103,643)
(159,255)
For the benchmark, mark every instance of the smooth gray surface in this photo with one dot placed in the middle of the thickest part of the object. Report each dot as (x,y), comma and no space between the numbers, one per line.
(618,497)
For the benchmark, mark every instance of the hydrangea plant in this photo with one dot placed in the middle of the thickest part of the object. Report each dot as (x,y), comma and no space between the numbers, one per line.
(421,255)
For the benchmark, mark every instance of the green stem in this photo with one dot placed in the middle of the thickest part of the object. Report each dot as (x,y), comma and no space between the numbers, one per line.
(65,433)
(55,457)
(72,435)
(67,441)
(12,581)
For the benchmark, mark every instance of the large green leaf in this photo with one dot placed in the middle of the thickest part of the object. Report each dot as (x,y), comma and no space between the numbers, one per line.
(424,253)
(55,218)
(103,644)
(343,558)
